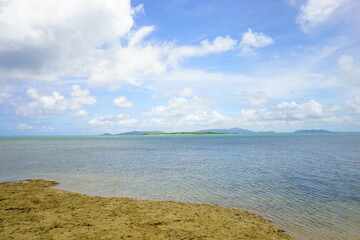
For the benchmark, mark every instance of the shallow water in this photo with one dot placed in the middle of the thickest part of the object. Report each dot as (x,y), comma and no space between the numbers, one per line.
(308,185)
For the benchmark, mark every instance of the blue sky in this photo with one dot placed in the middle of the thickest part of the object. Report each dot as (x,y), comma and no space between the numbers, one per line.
(89,67)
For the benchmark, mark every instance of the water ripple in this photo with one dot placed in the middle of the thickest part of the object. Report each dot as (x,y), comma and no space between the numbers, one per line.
(307,185)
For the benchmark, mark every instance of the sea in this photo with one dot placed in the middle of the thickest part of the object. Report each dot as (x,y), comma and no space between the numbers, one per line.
(308,185)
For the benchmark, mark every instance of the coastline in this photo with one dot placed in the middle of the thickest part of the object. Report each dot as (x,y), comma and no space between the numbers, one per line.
(32,209)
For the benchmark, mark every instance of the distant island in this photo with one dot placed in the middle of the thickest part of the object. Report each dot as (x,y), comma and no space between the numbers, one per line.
(235,130)
(186,133)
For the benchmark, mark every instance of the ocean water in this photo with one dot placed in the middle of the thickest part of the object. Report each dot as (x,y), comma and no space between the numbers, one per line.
(308,185)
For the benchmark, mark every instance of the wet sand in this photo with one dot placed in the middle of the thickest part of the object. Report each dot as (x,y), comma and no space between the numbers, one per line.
(31,209)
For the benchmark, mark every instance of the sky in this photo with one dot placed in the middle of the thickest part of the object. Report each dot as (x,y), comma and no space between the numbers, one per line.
(89,67)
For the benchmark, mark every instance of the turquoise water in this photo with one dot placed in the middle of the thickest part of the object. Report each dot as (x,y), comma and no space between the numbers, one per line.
(308,185)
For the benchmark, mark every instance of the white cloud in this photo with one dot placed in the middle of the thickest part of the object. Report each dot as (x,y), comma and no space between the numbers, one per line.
(218,45)
(100,121)
(80,113)
(4,96)
(281,83)
(350,70)
(138,61)
(55,104)
(179,106)
(57,20)
(253,99)
(346,62)
(45,39)
(287,111)
(139,35)
(252,40)
(202,118)
(47,129)
(24,126)
(185,92)
(158,121)
(119,66)
(82,96)
(191,121)
(316,12)
(186,112)
(138,9)
(120,120)
(122,102)
(353,105)
(7,92)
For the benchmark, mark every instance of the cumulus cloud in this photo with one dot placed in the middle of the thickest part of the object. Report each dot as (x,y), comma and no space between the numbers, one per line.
(187,111)
(253,99)
(80,113)
(203,118)
(40,37)
(316,12)
(55,103)
(119,66)
(24,126)
(179,106)
(44,40)
(55,18)
(287,111)
(138,60)
(82,96)
(120,120)
(122,102)
(253,40)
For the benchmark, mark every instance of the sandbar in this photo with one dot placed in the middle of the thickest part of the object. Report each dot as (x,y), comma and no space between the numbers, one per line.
(32,209)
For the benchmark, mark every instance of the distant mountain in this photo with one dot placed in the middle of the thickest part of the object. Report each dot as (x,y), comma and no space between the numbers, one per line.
(138,132)
(106,134)
(313,131)
(236,130)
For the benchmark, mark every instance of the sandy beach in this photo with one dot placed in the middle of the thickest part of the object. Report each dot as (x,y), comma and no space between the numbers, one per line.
(32,209)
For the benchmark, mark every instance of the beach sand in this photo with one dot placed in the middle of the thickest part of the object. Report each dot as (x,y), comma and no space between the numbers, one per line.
(31,209)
